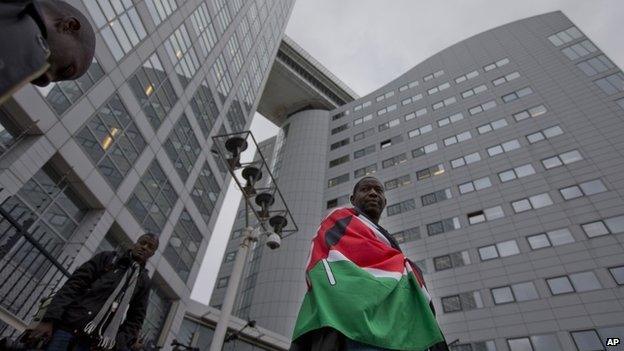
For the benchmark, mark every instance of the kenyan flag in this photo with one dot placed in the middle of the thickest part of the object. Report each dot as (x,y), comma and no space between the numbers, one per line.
(360,285)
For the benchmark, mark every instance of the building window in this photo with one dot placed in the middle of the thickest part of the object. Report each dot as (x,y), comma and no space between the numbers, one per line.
(202,24)
(430,172)
(488,214)
(534,343)
(433,75)
(182,147)
(49,207)
(62,95)
(583,189)
(183,246)
(532,203)
(152,199)
(119,24)
(384,96)
(393,123)
(229,257)
(408,86)
(504,147)
(517,94)
(578,50)
(419,131)
(465,160)
(392,141)
(497,64)
(506,78)
(417,113)
(483,107)
(423,150)
(338,161)
(462,302)
(467,76)
(339,144)
(532,112)
(161,9)
(410,100)
(452,260)
(398,182)
(436,196)
(223,17)
(221,76)
(153,90)
(112,141)
(182,54)
(474,185)
(385,110)
(502,249)
(443,226)
(562,159)
(517,172)
(618,274)
(620,103)
(565,36)
(205,108)
(450,119)
(611,84)
(364,171)
(612,225)
(338,116)
(514,293)
(363,119)
(555,237)
(454,139)
(338,180)
(401,207)
(544,134)
(340,128)
(587,340)
(205,192)
(364,152)
(364,134)
(222,282)
(474,91)
(362,106)
(577,282)
(393,161)
(446,102)
(339,201)
(595,65)
(407,235)
(158,306)
(439,88)
(486,128)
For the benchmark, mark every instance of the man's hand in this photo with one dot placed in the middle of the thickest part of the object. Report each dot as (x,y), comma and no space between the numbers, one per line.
(42,331)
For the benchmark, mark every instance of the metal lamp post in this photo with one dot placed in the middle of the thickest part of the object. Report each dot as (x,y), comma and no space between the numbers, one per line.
(272,212)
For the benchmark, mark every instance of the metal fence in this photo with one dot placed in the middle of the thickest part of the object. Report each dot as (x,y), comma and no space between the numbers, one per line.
(29,272)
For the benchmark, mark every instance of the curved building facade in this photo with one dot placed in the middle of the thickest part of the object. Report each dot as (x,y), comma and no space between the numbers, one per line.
(501,157)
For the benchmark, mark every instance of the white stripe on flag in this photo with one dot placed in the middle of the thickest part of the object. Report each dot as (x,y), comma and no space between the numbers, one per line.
(335,256)
(330,275)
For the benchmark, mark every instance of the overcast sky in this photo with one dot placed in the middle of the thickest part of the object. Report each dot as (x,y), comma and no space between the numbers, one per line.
(368,43)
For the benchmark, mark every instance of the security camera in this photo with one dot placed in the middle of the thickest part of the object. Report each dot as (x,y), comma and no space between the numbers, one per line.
(273,241)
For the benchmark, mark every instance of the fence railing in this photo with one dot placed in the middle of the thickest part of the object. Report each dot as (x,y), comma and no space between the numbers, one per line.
(29,271)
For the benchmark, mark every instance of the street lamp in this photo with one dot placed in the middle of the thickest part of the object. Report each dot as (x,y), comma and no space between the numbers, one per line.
(273,216)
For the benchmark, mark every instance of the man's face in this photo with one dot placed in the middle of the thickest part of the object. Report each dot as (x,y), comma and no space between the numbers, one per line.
(144,248)
(69,59)
(369,197)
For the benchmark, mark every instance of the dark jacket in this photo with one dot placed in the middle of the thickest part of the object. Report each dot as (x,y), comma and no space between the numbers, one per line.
(23,48)
(85,292)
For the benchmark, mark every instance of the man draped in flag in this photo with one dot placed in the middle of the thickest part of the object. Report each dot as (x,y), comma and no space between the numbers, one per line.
(363,293)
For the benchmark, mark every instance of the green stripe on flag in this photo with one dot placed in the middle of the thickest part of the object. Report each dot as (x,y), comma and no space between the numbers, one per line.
(373,310)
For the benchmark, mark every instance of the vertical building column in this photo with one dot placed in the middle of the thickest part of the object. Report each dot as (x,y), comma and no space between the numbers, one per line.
(281,277)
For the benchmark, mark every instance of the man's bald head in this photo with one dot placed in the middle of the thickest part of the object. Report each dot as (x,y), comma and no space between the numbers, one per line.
(71,40)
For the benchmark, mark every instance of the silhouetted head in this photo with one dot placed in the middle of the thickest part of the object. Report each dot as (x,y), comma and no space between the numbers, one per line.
(368,195)
(145,247)
(71,41)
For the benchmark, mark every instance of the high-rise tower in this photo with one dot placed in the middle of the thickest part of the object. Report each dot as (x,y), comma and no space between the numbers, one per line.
(502,158)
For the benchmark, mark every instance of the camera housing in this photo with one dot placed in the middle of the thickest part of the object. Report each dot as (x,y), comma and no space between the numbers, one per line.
(273,241)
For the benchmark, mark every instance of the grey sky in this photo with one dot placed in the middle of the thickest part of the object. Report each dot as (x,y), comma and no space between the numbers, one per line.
(368,43)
